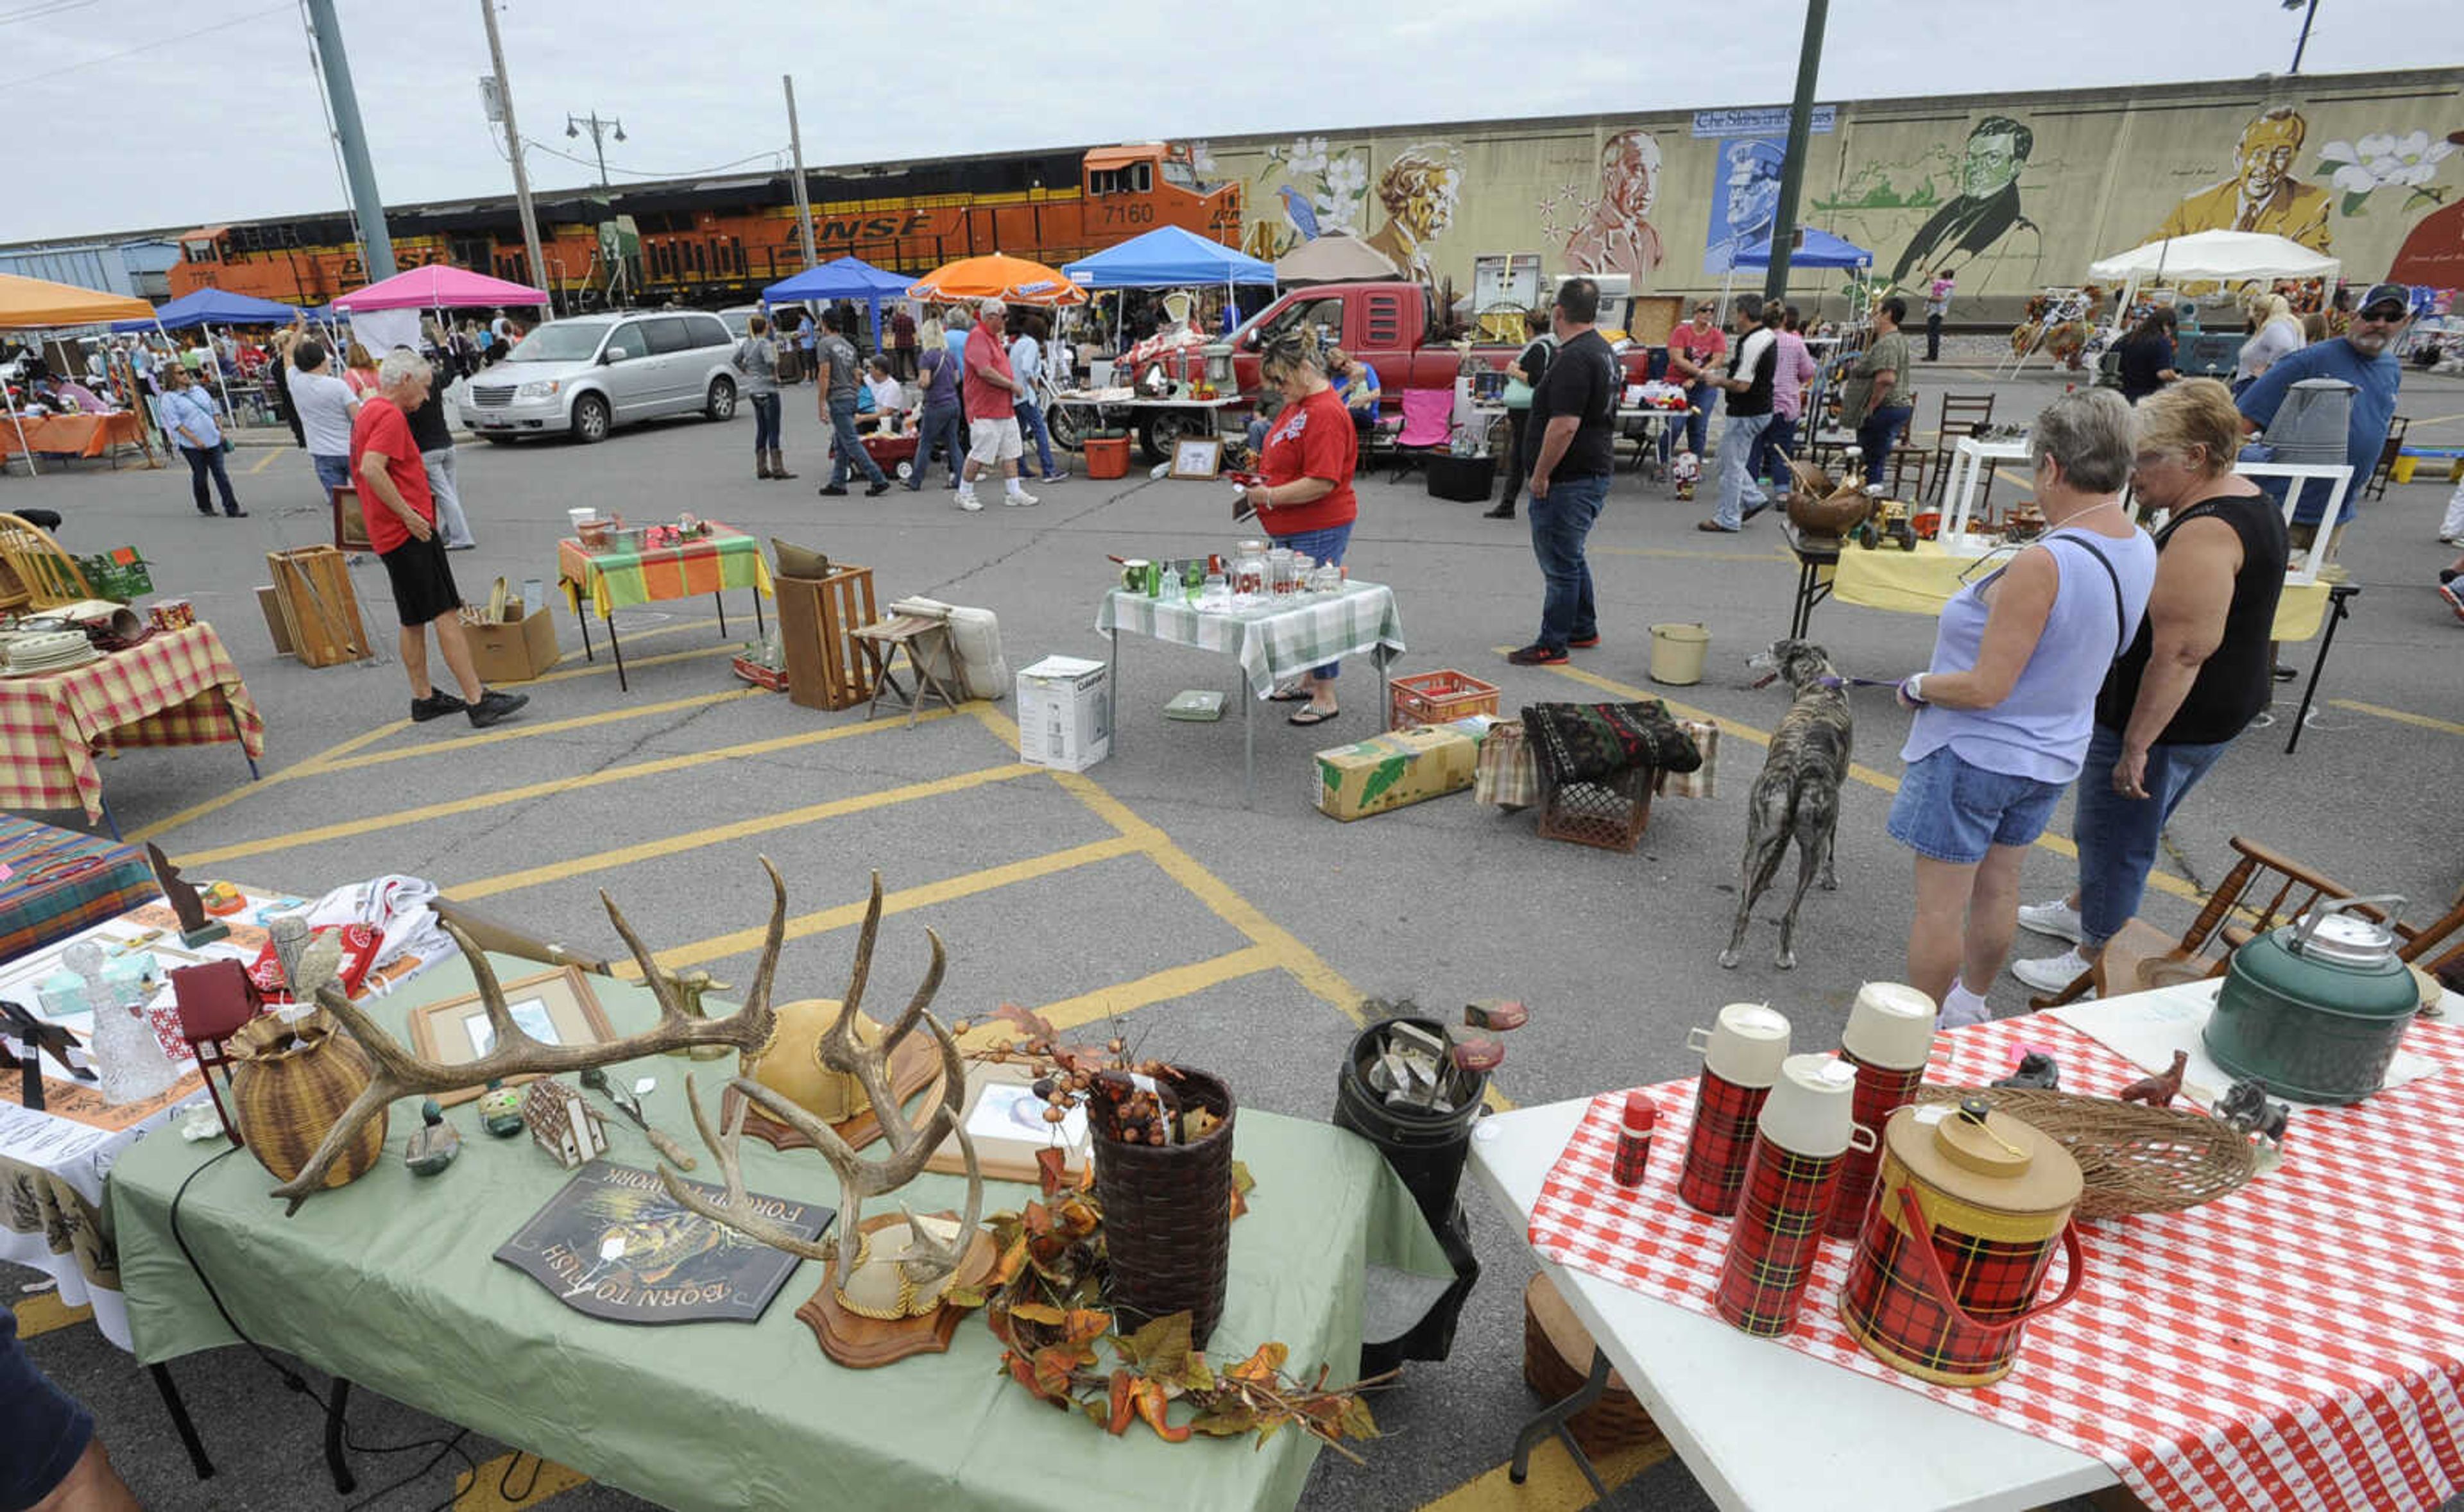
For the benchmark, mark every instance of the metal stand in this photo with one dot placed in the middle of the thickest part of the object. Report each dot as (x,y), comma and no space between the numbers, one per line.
(1812,588)
(1552,1420)
(616,648)
(181,1422)
(344,1484)
(2336,612)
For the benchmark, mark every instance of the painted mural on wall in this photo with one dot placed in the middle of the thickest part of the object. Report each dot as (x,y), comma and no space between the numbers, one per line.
(1957,206)
(1312,189)
(1985,218)
(1615,236)
(2262,195)
(2432,254)
(1746,201)
(1419,190)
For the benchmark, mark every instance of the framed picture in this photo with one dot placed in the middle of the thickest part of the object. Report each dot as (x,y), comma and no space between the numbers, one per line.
(553,1007)
(1197,457)
(1004,1121)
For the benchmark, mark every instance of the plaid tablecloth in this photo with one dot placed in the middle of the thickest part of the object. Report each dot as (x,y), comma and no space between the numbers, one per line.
(725,558)
(1921,581)
(178,688)
(55,882)
(2296,1343)
(1270,645)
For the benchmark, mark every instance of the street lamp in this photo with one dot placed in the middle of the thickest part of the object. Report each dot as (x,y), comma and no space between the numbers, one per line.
(2310,9)
(600,131)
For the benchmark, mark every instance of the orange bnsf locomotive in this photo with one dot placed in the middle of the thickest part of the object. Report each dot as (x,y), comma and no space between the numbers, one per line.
(717,241)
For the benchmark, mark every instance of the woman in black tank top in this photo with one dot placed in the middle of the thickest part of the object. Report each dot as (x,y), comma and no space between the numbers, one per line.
(2193,679)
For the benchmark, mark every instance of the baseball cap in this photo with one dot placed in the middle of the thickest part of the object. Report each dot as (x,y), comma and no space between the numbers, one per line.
(2384,294)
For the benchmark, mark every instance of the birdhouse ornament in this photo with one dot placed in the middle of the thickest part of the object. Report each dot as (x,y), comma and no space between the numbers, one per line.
(562,1124)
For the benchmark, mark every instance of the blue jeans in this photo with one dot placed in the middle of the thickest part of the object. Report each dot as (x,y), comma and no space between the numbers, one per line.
(334,472)
(1881,427)
(765,422)
(847,450)
(2117,836)
(1320,545)
(1560,524)
(1698,425)
(1953,810)
(1030,425)
(1738,444)
(1772,452)
(202,462)
(941,427)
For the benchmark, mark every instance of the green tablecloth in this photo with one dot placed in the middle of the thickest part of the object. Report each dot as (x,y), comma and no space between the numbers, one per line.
(1271,642)
(389,1282)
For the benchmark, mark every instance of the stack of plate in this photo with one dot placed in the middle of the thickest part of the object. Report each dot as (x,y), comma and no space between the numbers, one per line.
(49,651)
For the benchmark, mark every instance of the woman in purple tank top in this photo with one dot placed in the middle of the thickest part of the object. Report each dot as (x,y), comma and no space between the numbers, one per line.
(2005,707)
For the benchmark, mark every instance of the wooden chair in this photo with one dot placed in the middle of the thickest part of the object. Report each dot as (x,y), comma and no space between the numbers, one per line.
(2376,488)
(1904,460)
(2262,890)
(931,661)
(1960,415)
(35,573)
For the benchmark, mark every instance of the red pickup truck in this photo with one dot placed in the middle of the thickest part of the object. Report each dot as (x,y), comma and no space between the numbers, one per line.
(1386,325)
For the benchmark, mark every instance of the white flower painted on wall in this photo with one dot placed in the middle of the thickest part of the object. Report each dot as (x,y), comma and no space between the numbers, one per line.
(2385,161)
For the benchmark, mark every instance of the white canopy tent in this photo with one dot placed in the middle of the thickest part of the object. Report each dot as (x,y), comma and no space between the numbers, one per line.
(2228,257)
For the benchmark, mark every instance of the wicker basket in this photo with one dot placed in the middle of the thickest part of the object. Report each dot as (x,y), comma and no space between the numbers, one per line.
(1168,1218)
(290,1086)
(1609,814)
(1556,1361)
(2135,1158)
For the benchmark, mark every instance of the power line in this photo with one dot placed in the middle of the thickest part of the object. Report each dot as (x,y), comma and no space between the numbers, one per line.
(537,146)
(43,8)
(158,43)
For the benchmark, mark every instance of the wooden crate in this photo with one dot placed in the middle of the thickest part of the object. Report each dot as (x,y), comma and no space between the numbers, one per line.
(312,588)
(826,667)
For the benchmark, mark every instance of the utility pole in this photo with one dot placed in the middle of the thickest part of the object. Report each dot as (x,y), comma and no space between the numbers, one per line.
(795,143)
(1792,170)
(513,151)
(368,207)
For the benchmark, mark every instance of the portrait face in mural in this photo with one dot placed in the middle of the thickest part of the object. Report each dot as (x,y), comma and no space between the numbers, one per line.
(1980,220)
(1420,189)
(1997,149)
(2268,145)
(1617,238)
(1753,188)
(2262,195)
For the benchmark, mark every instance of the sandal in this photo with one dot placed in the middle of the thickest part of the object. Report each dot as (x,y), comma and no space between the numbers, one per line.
(1290,693)
(1313,716)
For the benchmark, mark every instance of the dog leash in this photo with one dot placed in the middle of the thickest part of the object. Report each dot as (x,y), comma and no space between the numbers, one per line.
(1835,681)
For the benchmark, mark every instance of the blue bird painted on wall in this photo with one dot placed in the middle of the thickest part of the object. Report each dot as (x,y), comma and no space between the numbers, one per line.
(1298,211)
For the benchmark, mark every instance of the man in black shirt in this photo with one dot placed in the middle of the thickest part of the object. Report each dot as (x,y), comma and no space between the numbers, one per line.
(1573,408)
(1749,387)
(433,435)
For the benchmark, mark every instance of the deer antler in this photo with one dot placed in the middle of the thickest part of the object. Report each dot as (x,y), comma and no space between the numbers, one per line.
(399,1073)
(910,1144)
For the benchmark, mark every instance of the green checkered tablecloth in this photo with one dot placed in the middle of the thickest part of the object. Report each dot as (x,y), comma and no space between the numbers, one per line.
(1270,643)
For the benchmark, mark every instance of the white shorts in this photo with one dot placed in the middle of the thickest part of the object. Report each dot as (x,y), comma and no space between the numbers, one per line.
(994,441)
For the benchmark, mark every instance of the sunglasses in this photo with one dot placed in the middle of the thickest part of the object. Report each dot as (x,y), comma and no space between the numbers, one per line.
(2385,314)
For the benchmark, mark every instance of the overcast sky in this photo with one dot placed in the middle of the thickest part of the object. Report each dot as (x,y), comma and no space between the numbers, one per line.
(173,113)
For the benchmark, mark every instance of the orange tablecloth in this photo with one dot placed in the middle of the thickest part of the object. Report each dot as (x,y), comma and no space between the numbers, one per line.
(177,688)
(73,436)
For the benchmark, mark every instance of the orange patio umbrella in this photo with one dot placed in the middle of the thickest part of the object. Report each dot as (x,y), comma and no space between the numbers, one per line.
(1013,281)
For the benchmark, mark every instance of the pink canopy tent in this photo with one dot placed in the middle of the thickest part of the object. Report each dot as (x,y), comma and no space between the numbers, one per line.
(438,286)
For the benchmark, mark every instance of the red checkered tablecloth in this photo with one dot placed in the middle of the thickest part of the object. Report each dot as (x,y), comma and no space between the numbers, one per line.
(177,688)
(2296,1344)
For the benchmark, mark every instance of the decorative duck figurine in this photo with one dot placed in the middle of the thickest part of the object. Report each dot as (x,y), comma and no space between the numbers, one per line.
(435,1146)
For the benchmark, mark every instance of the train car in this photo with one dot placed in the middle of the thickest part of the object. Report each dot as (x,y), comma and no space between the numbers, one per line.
(722,240)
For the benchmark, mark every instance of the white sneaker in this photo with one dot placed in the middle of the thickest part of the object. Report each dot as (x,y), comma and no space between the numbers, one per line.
(1021,498)
(966,500)
(2057,918)
(1961,1009)
(2050,973)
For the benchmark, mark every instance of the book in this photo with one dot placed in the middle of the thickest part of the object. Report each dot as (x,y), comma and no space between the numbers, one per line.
(612,1244)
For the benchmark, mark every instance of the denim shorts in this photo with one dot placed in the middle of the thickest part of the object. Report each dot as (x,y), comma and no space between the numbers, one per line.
(1953,810)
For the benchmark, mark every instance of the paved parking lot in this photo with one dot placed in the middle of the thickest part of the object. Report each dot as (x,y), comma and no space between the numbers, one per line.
(1239,939)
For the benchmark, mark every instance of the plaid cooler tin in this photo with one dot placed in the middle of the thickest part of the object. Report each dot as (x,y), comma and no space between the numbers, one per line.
(1778,1232)
(1721,1141)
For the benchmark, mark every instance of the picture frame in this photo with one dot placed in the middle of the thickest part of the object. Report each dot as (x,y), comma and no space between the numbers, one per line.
(1197,457)
(556,1005)
(1004,1121)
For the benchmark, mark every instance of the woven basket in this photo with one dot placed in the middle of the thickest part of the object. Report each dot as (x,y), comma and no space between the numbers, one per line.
(287,1096)
(1168,1217)
(1556,1361)
(2135,1158)
(1818,506)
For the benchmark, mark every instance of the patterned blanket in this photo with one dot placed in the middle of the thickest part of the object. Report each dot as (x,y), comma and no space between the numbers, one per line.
(1592,743)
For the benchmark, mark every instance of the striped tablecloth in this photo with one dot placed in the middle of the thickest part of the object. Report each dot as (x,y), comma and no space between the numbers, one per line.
(1270,643)
(177,688)
(726,557)
(2294,1343)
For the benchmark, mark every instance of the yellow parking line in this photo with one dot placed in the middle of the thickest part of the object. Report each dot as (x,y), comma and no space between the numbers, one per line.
(739,942)
(2058,844)
(307,768)
(1124,997)
(1554,1485)
(267,460)
(655,767)
(721,834)
(45,1312)
(484,1489)
(550,726)
(564,673)
(2400,716)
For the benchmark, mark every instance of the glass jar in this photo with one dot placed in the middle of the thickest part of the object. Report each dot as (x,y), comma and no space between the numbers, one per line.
(1249,572)
(1326,580)
(1214,596)
(1279,572)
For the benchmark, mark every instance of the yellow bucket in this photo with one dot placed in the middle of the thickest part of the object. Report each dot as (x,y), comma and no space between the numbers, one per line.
(1676,653)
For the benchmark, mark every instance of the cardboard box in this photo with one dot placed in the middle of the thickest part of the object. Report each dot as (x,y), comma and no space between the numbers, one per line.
(269,602)
(1390,771)
(1064,714)
(514,653)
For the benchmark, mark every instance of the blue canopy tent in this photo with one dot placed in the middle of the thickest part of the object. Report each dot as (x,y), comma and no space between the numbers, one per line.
(1821,250)
(843,278)
(1167,257)
(213,307)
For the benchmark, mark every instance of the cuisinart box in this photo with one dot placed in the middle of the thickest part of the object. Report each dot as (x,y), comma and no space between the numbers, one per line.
(1065,714)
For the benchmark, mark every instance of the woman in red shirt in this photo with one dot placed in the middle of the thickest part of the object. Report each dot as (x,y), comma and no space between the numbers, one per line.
(1306,502)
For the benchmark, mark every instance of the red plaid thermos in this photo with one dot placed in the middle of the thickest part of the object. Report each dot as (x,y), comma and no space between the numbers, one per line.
(1741,1060)
(1634,1139)
(1971,1206)
(1889,1034)
(1805,1129)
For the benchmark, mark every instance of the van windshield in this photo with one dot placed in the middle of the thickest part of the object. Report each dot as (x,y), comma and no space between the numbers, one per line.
(559,341)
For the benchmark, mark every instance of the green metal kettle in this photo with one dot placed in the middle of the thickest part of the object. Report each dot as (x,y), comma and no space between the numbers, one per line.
(2317,1009)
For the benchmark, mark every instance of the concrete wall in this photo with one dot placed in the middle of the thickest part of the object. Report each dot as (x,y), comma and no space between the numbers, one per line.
(2012,191)
(134,268)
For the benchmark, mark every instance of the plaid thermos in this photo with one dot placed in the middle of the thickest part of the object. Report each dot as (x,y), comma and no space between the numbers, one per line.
(1790,1170)
(1972,1204)
(1881,1091)
(1888,1038)
(1741,1060)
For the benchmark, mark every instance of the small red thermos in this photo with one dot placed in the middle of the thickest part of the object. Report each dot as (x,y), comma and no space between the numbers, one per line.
(1634,1139)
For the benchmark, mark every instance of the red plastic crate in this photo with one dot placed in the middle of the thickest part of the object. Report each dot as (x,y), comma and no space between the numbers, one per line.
(1436,698)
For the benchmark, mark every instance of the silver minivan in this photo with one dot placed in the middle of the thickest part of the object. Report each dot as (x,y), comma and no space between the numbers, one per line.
(587,374)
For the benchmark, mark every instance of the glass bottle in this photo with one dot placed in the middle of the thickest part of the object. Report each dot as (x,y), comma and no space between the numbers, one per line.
(127,1057)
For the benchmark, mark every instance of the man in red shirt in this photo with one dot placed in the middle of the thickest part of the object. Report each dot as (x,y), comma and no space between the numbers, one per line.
(1695,347)
(992,393)
(400,516)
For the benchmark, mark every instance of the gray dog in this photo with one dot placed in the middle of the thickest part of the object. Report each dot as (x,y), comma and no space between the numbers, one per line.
(1797,793)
